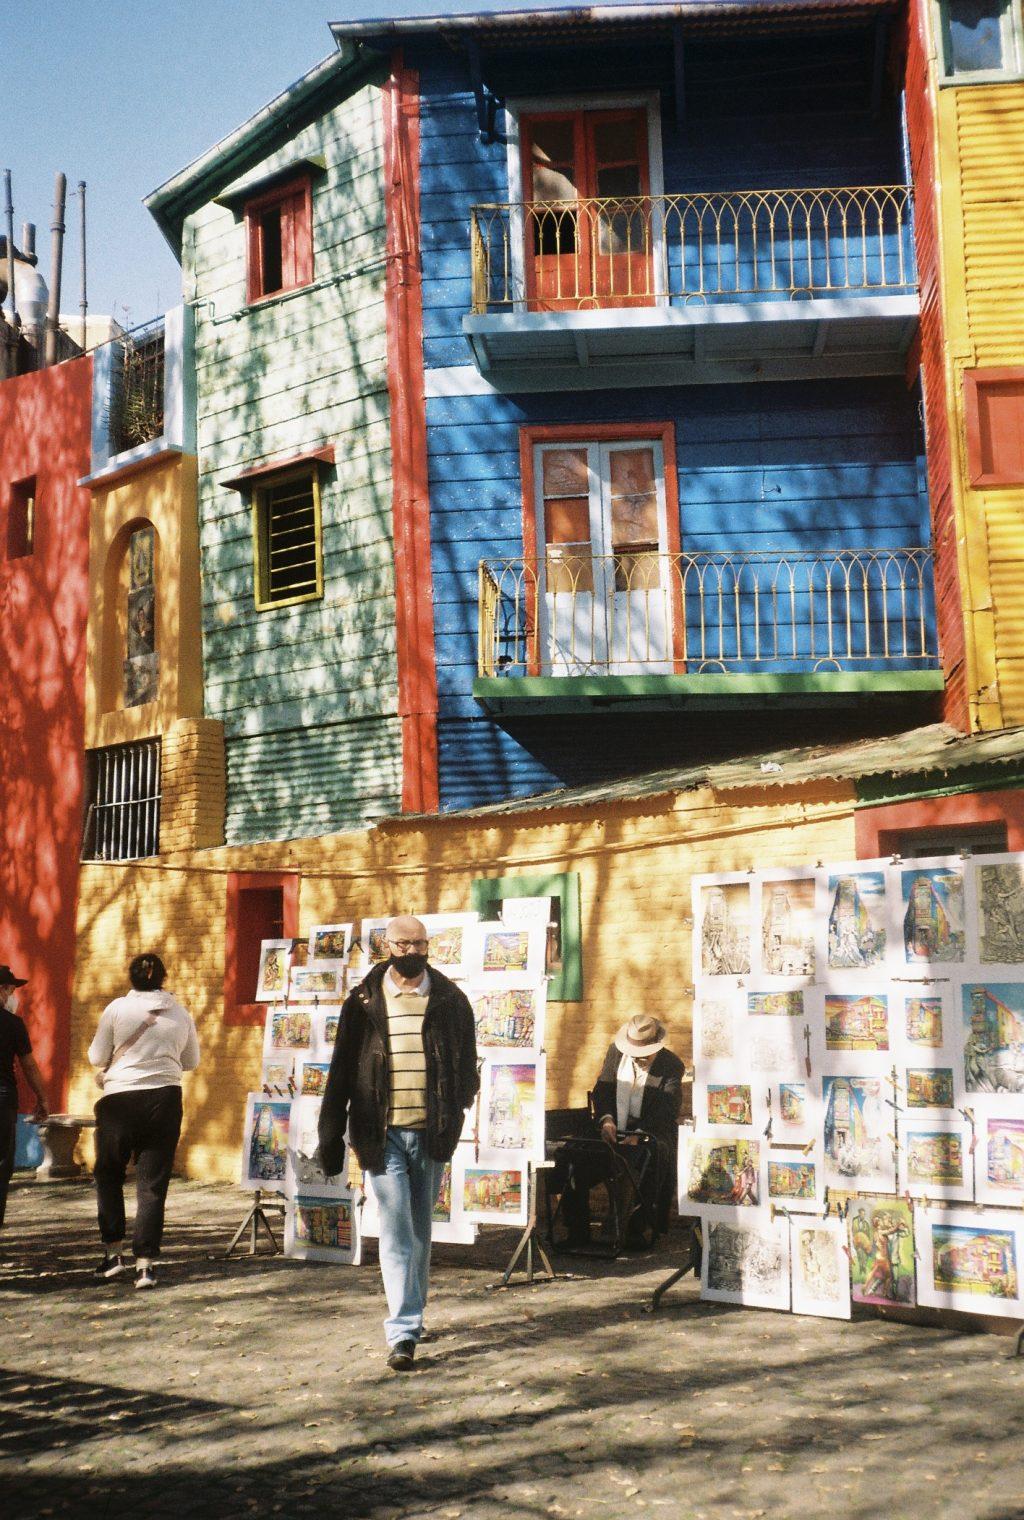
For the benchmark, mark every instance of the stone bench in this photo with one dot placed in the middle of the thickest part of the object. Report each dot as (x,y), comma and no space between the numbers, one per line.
(60,1135)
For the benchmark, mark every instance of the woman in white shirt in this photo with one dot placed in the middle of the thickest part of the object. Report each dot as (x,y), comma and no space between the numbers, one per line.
(144,1042)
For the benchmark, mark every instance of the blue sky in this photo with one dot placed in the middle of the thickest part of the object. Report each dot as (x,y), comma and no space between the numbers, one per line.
(124,93)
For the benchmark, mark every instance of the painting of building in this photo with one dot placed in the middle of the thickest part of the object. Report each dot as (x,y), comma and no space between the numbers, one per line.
(933,920)
(993,1022)
(979,1262)
(856,921)
(856,1022)
(787,928)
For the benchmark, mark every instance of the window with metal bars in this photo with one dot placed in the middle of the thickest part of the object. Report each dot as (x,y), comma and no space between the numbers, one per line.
(286,539)
(122,816)
(137,412)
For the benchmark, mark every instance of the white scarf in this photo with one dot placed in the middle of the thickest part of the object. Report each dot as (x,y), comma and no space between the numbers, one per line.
(630,1080)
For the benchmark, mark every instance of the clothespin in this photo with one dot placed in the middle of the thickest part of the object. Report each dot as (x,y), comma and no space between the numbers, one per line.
(266,1089)
(768,1126)
(826,1204)
(808,1148)
(896,859)
(291,1087)
(807,1041)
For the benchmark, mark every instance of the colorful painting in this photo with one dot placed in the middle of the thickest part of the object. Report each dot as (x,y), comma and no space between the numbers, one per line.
(787,1005)
(512,1121)
(506,950)
(723,1172)
(375,939)
(747,1264)
(265,1146)
(330,942)
(930,1087)
(715,1020)
(725,929)
(729,1104)
(793,1181)
(857,1133)
(1001,914)
(323,1229)
(494,1194)
(787,927)
(881,1232)
(820,1269)
(792,1105)
(856,920)
(314,1078)
(272,976)
(924,1021)
(442,1210)
(933,917)
(331,1028)
(980,1263)
(935,1158)
(506,1017)
(291,1029)
(320,981)
(1004,1160)
(993,1017)
(856,1022)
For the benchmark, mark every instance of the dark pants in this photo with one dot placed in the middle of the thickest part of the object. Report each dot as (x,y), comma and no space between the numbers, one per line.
(8,1129)
(145,1125)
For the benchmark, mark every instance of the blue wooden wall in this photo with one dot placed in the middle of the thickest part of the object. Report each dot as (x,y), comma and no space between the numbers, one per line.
(818,465)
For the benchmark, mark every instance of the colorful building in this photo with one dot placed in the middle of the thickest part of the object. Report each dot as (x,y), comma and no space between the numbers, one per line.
(965,108)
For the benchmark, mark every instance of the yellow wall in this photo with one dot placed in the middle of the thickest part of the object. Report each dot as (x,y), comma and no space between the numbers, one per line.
(164,494)
(635,862)
(980,132)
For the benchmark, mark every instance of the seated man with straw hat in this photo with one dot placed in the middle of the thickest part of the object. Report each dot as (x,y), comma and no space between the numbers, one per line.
(641,1088)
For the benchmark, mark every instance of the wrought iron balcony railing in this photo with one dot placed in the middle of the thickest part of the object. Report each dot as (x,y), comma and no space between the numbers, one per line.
(640,612)
(673,249)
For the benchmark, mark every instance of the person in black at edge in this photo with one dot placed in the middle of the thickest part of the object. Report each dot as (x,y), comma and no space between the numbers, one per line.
(14,1041)
(641,1087)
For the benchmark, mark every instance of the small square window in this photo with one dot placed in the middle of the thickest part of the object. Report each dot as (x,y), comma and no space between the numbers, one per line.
(994,423)
(279,239)
(981,37)
(122,815)
(21,519)
(287,544)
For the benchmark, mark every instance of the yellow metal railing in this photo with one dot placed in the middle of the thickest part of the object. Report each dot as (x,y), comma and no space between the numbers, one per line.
(713,245)
(770,610)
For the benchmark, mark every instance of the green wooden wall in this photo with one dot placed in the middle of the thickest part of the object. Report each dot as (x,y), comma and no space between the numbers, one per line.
(307,694)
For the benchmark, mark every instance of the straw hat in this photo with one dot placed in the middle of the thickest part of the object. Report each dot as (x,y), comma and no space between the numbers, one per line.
(642,1036)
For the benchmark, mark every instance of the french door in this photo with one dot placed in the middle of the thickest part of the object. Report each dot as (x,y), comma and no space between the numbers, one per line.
(588,221)
(604,575)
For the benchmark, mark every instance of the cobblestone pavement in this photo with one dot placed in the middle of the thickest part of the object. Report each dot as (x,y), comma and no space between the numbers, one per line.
(258,1387)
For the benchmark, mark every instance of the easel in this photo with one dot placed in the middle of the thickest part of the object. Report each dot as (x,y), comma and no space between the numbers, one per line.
(528,1241)
(257,1216)
(692,1264)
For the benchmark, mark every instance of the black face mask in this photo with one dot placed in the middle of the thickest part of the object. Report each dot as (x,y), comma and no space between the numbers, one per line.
(410,965)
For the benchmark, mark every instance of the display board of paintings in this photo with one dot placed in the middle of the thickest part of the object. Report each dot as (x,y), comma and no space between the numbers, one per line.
(859,1060)
(501,967)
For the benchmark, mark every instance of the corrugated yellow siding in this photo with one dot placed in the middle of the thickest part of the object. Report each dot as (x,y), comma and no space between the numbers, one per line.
(981,152)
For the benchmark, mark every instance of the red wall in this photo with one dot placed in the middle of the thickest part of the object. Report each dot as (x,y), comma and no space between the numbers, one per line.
(877,827)
(45,432)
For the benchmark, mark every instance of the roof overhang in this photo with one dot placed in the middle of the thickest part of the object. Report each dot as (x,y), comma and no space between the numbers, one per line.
(257,472)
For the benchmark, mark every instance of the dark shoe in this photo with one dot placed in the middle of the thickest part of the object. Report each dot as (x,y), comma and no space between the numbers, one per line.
(401,1355)
(110,1266)
(145,1277)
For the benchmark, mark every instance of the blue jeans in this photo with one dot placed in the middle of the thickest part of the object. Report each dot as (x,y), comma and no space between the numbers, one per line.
(406,1190)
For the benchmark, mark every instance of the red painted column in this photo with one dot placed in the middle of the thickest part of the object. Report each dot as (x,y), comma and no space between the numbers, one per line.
(45,436)
(417,676)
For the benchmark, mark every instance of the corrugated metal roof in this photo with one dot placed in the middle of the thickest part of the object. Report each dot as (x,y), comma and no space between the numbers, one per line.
(572,24)
(932,750)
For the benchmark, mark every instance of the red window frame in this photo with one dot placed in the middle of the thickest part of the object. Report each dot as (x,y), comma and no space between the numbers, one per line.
(241,949)
(879,829)
(21,518)
(599,432)
(977,383)
(295,200)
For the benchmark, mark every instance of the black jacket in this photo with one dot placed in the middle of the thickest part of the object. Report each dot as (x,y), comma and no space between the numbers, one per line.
(358,1091)
(663,1095)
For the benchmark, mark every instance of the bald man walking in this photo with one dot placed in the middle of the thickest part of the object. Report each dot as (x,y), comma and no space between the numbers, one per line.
(402,1075)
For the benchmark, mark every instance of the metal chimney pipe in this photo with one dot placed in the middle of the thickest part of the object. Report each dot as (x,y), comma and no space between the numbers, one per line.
(60,190)
(28,239)
(83,304)
(9,208)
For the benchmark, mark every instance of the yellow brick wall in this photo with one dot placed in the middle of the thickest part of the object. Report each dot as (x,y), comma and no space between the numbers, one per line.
(635,864)
(192,785)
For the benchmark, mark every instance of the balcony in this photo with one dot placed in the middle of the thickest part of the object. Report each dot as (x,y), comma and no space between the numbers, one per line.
(717,286)
(647,630)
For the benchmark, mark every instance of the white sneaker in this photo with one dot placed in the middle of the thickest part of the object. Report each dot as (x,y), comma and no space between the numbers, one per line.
(145,1277)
